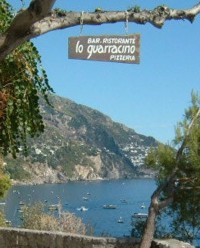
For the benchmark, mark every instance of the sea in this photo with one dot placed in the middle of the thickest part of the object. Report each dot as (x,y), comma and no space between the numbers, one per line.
(127,197)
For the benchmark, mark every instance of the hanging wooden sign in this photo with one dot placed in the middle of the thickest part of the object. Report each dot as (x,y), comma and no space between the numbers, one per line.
(123,49)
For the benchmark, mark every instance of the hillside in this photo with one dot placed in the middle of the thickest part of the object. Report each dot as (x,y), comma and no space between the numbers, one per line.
(80,143)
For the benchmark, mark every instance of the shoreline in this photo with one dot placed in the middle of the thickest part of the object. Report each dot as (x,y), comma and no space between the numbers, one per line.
(21,183)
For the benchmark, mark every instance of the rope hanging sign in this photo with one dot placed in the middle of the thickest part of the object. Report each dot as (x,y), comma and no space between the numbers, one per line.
(123,49)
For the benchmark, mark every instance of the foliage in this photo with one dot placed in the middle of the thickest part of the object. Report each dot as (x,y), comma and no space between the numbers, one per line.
(22,78)
(2,219)
(79,121)
(5,182)
(185,208)
(98,9)
(162,229)
(185,215)
(16,171)
(73,154)
(67,154)
(70,223)
(161,159)
(35,218)
(135,8)
(60,12)
(138,226)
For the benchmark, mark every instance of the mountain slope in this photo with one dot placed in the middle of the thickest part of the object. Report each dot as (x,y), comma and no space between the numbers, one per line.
(80,143)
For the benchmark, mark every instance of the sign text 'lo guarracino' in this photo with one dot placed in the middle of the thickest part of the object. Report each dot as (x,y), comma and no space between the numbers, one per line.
(123,49)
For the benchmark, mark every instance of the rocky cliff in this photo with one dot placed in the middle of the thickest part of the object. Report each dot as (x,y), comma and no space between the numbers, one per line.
(80,143)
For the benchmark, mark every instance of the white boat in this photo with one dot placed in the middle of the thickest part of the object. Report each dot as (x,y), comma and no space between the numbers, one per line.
(120,220)
(82,208)
(8,222)
(21,208)
(53,207)
(2,203)
(109,206)
(124,201)
(140,215)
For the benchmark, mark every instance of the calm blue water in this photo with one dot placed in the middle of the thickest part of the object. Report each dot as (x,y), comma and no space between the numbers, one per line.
(135,192)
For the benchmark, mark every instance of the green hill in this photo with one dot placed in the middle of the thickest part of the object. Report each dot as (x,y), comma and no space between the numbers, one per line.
(80,143)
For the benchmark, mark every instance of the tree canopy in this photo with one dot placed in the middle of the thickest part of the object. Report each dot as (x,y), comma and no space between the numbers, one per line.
(22,78)
(178,175)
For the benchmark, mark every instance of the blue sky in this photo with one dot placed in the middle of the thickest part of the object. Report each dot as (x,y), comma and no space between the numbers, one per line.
(150,97)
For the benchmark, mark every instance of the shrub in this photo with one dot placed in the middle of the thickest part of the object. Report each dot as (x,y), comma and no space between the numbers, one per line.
(35,218)
(2,219)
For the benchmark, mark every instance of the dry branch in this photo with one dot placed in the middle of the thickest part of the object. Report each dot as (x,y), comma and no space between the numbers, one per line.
(38,20)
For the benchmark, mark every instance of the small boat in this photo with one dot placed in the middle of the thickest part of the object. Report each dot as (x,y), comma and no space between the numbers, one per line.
(2,203)
(85,198)
(120,220)
(20,210)
(8,222)
(109,206)
(82,208)
(143,206)
(140,215)
(124,201)
(53,207)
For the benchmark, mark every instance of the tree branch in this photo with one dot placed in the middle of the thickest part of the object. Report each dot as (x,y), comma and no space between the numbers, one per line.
(156,17)
(19,30)
(36,21)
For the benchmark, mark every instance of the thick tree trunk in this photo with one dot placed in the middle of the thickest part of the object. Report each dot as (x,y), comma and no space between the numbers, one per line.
(150,227)
(20,29)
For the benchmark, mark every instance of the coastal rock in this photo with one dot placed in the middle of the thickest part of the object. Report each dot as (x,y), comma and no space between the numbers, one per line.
(170,243)
(80,143)
(85,173)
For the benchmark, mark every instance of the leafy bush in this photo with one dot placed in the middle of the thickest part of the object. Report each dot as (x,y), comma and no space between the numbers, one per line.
(22,80)
(2,219)
(71,223)
(16,171)
(5,182)
(35,218)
